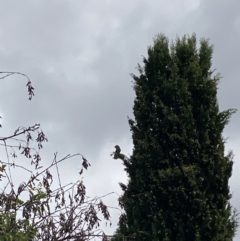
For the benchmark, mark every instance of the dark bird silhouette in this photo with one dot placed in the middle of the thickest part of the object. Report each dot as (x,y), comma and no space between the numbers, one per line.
(118,150)
(118,155)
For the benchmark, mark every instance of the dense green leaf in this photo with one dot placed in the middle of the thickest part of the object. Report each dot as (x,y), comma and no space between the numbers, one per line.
(178,178)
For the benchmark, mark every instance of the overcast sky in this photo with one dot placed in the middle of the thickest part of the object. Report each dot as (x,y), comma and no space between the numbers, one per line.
(79,55)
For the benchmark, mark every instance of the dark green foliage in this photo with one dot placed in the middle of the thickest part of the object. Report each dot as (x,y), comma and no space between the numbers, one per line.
(178,178)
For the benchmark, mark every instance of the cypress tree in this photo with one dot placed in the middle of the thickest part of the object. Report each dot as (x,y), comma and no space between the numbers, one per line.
(179,172)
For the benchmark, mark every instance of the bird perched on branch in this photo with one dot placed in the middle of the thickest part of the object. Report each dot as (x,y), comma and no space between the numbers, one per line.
(118,149)
(117,154)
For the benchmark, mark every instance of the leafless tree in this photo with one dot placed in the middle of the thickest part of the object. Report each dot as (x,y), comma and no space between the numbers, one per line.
(63,213)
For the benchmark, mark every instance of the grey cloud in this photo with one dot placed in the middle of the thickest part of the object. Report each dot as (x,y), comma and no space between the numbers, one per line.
(79,58)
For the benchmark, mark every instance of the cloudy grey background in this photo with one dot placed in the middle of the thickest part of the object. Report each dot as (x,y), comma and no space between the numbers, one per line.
(79,55)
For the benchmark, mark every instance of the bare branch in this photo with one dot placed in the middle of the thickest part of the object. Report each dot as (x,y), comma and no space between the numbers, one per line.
(29,85)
